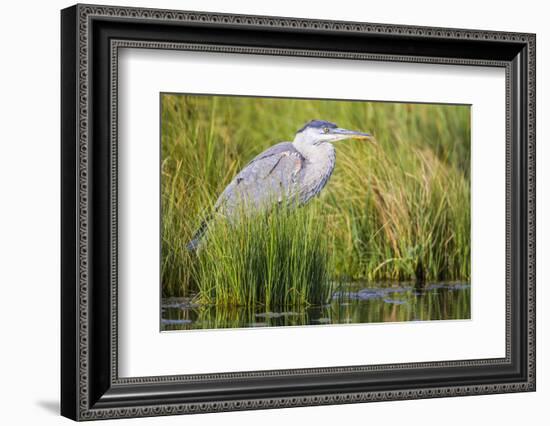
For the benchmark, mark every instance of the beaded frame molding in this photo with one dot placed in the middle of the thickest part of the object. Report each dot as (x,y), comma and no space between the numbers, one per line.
(91,39)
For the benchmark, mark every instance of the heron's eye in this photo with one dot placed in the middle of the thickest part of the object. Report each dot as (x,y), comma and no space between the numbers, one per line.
(325,129)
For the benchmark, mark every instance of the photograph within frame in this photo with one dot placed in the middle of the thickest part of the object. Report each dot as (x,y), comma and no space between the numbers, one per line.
(260,236)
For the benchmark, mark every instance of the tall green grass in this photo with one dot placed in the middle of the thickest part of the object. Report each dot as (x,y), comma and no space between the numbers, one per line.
(395,210)
(275,259)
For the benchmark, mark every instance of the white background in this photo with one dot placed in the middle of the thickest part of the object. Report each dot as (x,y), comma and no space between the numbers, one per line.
(29,225)
(140,343)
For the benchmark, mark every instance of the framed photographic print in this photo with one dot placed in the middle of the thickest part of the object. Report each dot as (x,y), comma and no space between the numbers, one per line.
(263,212)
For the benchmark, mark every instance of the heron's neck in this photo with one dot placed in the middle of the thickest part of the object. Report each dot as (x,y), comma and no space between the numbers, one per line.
(314,152)
(320,160)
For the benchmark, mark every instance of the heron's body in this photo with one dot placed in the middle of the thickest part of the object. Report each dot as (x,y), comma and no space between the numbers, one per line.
(289,171)
(282,172)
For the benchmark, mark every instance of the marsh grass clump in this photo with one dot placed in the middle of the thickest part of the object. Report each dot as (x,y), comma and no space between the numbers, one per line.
(407,222)
(276,259)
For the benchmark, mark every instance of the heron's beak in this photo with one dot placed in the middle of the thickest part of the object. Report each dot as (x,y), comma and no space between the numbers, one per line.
(351,134)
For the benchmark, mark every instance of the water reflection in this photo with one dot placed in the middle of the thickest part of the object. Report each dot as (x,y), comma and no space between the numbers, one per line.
(350,304)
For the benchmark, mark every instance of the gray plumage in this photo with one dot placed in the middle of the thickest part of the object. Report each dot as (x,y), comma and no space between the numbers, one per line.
(289,171)
(275,175)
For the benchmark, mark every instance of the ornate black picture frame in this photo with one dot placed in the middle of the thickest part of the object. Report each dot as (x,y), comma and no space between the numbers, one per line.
(90,38)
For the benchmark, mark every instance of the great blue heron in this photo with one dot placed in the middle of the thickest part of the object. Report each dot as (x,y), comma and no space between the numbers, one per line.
(296,170)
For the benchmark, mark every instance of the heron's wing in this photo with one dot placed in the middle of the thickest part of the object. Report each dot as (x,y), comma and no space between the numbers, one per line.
(269,178)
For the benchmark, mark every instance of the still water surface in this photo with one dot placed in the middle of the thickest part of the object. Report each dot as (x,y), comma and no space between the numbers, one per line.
(353,303)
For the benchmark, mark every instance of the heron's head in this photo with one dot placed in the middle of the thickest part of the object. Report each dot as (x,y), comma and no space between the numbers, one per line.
(316,132)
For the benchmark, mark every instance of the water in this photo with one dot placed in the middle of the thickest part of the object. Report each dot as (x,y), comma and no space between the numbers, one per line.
(351,304)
